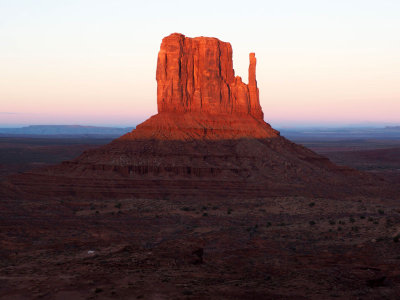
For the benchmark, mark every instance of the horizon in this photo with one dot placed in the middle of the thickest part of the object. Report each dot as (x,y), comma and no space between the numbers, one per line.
(366,125)
(319,63)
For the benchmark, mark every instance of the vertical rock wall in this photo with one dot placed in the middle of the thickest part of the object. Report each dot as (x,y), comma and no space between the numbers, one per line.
(196,75)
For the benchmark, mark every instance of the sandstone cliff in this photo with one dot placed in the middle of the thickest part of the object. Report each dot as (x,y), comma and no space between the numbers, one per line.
(199,97)
(196,75)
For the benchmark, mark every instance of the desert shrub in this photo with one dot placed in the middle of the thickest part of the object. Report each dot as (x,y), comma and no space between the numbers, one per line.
(205,214)
(381,211)
(118,205)
(396,238)
(187,292)
(351,220)
(268,224)
(311,204)
(229,211)
(332,222)
(252,229)
(362,217)
(342,222)
(185,208)
(389,223)
(312,223)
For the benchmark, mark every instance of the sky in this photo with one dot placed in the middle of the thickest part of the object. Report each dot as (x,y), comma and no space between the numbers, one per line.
(93,62)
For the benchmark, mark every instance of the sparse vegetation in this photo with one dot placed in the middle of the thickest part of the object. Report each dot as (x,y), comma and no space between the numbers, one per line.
(252,229)
(389,223)
(187,292)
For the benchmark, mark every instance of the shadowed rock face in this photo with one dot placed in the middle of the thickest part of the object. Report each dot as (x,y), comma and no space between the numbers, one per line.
(196,75)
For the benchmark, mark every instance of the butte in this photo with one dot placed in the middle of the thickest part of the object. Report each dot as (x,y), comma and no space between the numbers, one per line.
(209,140)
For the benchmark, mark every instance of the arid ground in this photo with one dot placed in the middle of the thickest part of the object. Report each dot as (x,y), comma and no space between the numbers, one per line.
(197,248)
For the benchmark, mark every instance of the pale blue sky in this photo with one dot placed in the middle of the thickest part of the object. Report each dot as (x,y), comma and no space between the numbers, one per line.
(93,62)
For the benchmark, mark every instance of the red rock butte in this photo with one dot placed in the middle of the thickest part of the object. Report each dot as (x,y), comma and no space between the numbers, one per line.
(208,140)
(199,97)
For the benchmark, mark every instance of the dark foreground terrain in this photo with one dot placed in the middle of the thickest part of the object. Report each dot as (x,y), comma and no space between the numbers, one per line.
(197,248)
(265,248)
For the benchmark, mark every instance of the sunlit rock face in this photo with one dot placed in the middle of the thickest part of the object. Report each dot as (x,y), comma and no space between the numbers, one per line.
(199,97)
(196,75)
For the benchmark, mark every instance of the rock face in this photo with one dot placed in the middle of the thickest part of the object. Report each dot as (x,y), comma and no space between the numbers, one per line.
(199,97)
(200,125)
(196,75)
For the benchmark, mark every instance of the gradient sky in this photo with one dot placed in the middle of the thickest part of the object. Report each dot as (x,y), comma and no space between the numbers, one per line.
(319,62)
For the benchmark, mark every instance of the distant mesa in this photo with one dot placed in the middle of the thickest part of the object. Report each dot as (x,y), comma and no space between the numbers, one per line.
(64,130)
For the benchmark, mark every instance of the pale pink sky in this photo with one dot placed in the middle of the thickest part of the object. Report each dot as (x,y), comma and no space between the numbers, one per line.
(93,62)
